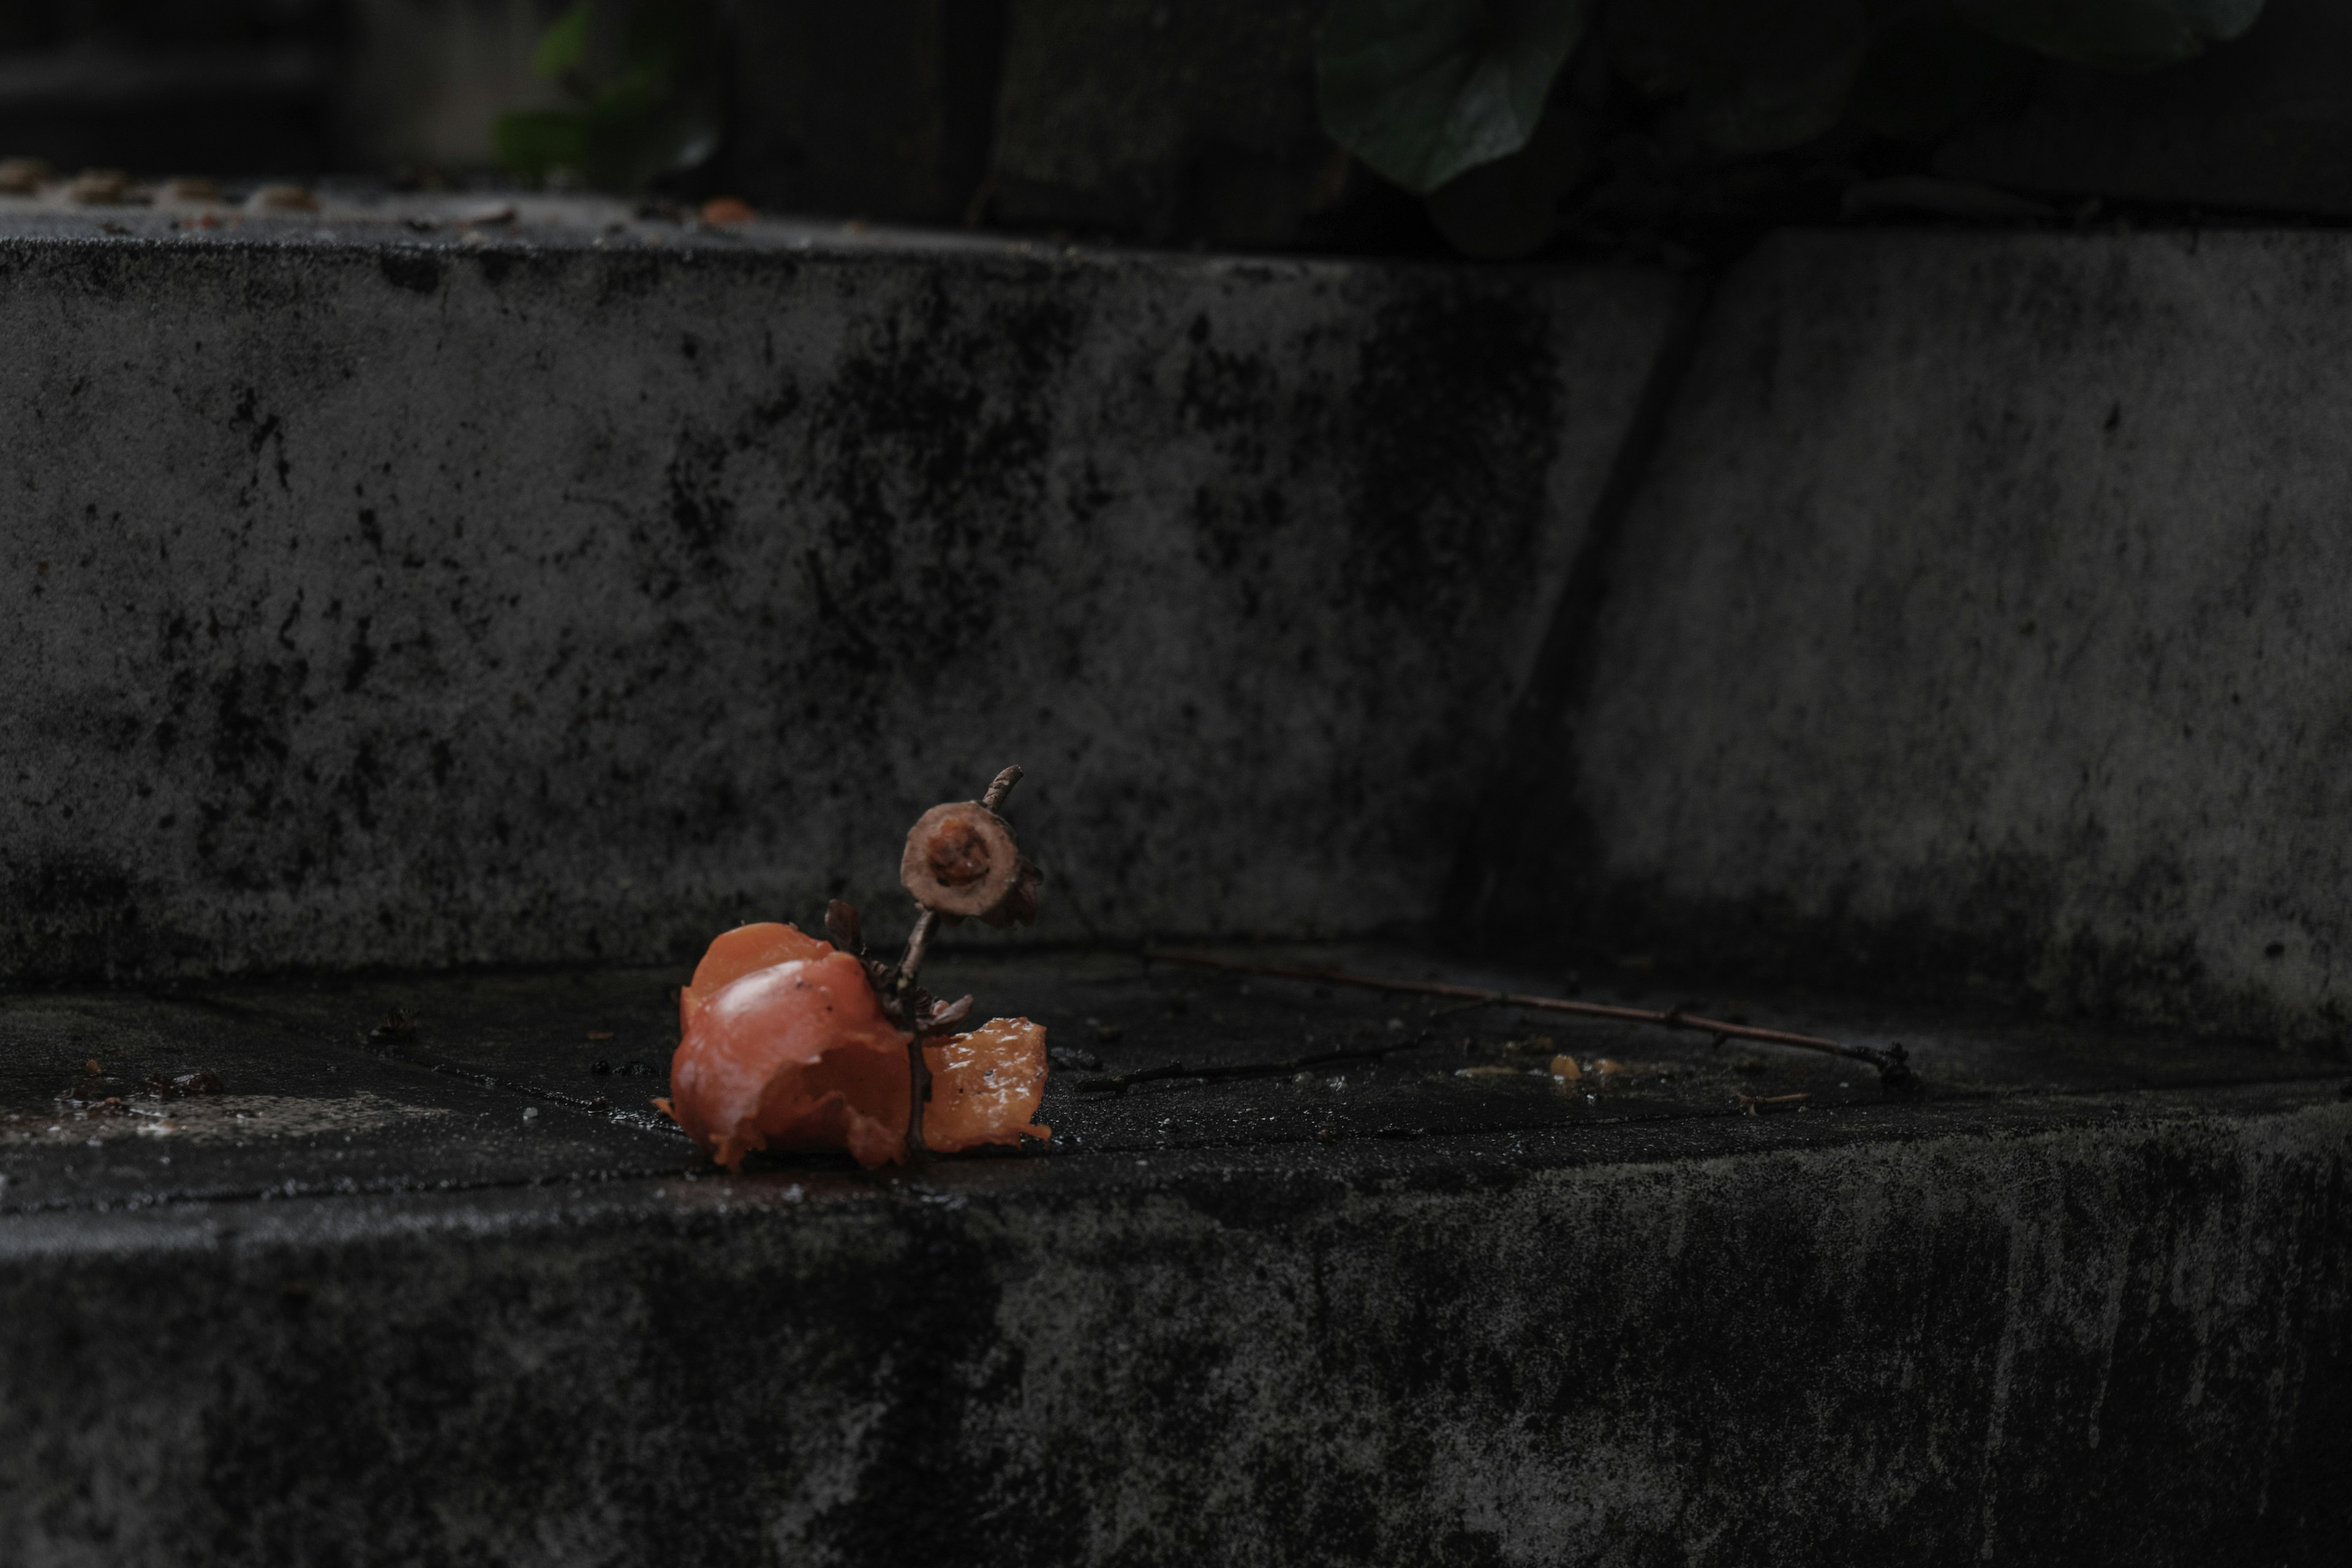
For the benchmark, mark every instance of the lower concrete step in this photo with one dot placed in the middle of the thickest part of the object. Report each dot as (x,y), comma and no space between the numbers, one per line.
(427,1284)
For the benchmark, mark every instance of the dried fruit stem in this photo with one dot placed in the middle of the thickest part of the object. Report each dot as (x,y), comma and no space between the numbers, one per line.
(919,946)
(919,942)
(1000,787)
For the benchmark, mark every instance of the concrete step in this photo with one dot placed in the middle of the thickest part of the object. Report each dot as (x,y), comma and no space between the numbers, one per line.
(2084,1299)
(573,585)
(410,588)
(1979,624)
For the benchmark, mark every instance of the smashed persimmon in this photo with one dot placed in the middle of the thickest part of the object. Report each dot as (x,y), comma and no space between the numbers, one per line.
(786,1046)
(792,1054)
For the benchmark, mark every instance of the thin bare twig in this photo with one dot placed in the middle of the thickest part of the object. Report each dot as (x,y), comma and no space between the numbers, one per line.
(1893,1063)
(918,947)
(1000,787)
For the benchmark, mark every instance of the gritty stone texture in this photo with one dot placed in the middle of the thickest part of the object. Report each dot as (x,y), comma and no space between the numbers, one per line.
(1983,617)
(2034,1315)
(526,592)
(2118,1339)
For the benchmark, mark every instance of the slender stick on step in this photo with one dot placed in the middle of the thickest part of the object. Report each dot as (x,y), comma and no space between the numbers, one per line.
(1893,1063)
(1125,1081)
(919,943)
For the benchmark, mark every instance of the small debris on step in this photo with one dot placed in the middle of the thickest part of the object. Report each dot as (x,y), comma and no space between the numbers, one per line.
(202,1081)
(24,176)
(281,199)
(397,1026)
(1070,1056)
(98,188)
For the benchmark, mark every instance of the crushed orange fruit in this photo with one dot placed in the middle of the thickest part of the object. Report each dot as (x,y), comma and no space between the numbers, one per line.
(785,1047)
(985,1086)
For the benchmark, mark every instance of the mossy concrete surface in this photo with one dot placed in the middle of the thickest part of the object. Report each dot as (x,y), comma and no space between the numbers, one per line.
(536,588)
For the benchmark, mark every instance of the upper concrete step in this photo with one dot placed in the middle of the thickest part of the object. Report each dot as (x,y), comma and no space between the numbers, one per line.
(1984,616)
(572,585)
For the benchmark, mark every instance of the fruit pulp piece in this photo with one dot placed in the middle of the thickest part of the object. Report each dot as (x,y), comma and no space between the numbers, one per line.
(985,1086)
(794,1055)
(735,954)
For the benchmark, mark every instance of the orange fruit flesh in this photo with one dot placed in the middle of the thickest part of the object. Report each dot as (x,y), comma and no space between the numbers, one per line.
(795,1055)
(985,1086)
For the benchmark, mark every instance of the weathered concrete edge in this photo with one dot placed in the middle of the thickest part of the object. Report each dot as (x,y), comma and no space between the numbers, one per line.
(1929,1334)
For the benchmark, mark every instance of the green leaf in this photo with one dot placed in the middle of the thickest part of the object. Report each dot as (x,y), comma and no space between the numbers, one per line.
(1421,89)
(1760,75)
(626,147)
(564,46)
(2114,35)
(533,142)
(1510,208)
(640,89)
